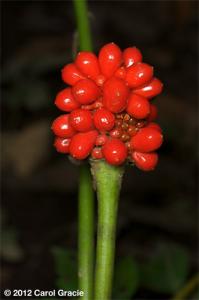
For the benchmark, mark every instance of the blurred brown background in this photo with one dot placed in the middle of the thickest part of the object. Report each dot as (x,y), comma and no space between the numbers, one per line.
(39,186)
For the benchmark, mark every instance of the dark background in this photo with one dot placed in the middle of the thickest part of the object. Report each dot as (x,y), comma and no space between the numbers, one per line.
(39,186)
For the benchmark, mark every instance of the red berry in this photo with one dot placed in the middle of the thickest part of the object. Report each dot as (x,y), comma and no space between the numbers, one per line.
(116,133)
(150,90)
(131,56)
(103,119)
(126,117)
(65,100)
(103,132)
(138,75)
(118,123)
(62,128)
(61,144)
(87,63)
(115,95)
(81,120)
(147,140)
(129,146)
(98,104)
(133,121)
(132,130)
(87,106)
(70,74)
(85,91)
(100,80)
(141,124)
(110,59)
(154,125)
(82,144)
(115,152)
(101,140)
(125,126)
(138,106)
(145,161)
(125,137)
(120,116)
(153,113)
(97,153)
(121,73)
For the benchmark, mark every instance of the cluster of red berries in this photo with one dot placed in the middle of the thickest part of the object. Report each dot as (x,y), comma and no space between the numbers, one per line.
(109,112)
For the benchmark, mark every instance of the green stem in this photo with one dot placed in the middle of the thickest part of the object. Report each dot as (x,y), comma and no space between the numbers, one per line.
(108,182)
(187,289)
(81,11)
(86,193)
(86,233)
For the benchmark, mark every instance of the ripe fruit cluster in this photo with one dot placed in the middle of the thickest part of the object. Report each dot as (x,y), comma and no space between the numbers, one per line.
(109,114)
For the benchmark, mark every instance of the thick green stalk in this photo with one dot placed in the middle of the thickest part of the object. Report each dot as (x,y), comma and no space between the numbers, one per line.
(86,233)
(81,11)
(86,192)
(108,180)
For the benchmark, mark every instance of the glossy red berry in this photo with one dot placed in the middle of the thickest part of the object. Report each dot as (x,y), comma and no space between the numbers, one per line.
(150,90)
(145,161)
(140,124)
(132,130)
(101,140)
(153,113)
(116,133)
(103,119)
(120,116)
(70,74)
(131,56)
(98,104)
(65,100)
(100,80)
(125,126)
(115,152)
(138,106)
(133,121)
(147,140)
(87,106)
(81,120)
(121,73)
(110,59)
(126,117)
(85,91)
(138,75)
(62,128)
(118,123)
(125,137)
(87,63)
(97,153)
(154,125)
(115,95)
(61,144)
(129,146)
(82,144)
